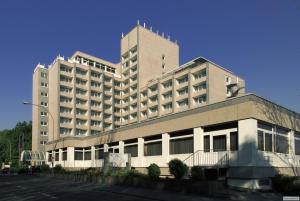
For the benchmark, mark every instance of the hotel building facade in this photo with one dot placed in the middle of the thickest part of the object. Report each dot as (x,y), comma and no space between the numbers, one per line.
(154,109)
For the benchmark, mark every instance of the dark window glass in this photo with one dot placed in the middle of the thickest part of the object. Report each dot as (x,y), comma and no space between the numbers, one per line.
(219,143)
(268,142)
(99,154)
(49,157)
(65,156)
(297,146)
(206,143)
(260,140)
(282,145)
(182,146)
(56,156)
(264,126)
(87,155)
(78,155)
(234,141)
(131,149)
(153,149)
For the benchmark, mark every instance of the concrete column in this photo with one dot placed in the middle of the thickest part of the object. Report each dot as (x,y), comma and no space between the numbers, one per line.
(60,157)
(93,156)
(198,139)
(165,147)
(141,152)
(70,157)
(291,136)
(247,131)
(121,147)
(211,141)
(105,147)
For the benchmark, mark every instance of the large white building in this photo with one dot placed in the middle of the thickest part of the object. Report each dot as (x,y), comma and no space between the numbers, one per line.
(155,109)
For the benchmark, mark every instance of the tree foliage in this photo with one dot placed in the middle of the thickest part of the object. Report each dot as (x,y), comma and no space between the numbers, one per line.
(9,142)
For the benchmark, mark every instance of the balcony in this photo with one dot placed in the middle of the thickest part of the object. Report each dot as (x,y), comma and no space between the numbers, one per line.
(108,93)
(108,120)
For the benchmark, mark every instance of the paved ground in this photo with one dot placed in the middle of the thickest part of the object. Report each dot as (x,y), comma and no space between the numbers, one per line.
(21,188)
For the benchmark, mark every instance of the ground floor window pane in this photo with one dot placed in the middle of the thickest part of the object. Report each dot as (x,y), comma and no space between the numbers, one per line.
(282,144)
(260,140)
(153,149)
(78,155)
(234,141)
(219,143)
(206,143)
(56,156)
(65,156)
(268,142)
(182,146)
(132,150)
(297,146)
(99,154)
(87,155)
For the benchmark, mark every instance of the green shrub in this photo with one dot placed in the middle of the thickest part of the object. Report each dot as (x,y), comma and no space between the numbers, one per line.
(23,170)
(285,184)
(153,171)
(58,169)
(197,173)
(45,168)
(133,173)
(177,168)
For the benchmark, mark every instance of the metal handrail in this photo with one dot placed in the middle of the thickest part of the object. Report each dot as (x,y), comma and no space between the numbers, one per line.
(207,158)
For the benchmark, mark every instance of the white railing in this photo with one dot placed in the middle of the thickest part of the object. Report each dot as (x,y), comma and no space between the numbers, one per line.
(203,158)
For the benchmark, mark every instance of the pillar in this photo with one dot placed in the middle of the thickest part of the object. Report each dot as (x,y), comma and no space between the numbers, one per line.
(141,152)
(165,147)
(121,147)
(247,131)
(198,139)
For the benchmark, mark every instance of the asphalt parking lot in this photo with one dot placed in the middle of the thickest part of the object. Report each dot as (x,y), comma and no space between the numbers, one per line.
(17,188)
(29,188)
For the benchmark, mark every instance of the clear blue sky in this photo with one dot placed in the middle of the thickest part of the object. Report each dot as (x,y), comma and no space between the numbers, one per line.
(258,40)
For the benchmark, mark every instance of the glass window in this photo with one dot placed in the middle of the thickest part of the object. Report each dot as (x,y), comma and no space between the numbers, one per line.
(234,141)
(56,155)
(181,146)
(153,149)
(206,143)
(65,155)
(281,144)
(87,155)
(131,149)
(78,154)
(219,143)
(297,143)
(260,140)
(268,142)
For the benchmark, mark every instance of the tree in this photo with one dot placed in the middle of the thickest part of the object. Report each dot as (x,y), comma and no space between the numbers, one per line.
(10,137)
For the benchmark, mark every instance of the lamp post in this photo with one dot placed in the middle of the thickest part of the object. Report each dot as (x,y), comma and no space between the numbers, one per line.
(45,108)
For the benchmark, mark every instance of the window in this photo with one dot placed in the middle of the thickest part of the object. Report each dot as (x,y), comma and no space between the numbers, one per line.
(182,103)
(281,144)
(183,91)
(44,133)
(99,152)
(167,95)
(56,155)
(219,143)
(64,154)
(297,143)
(44,123)
(49,156)
(181,146)
(199,74)
(43,84)
(131,149)
(234,141)
(87,154)
(183,79)
(44,104)
(43,142)
(44,75)
(260,140)
(78,155)
(167,106)
(206,143)
(200,99)
(43,113)
(44,94)
(268,142)
(153,148)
